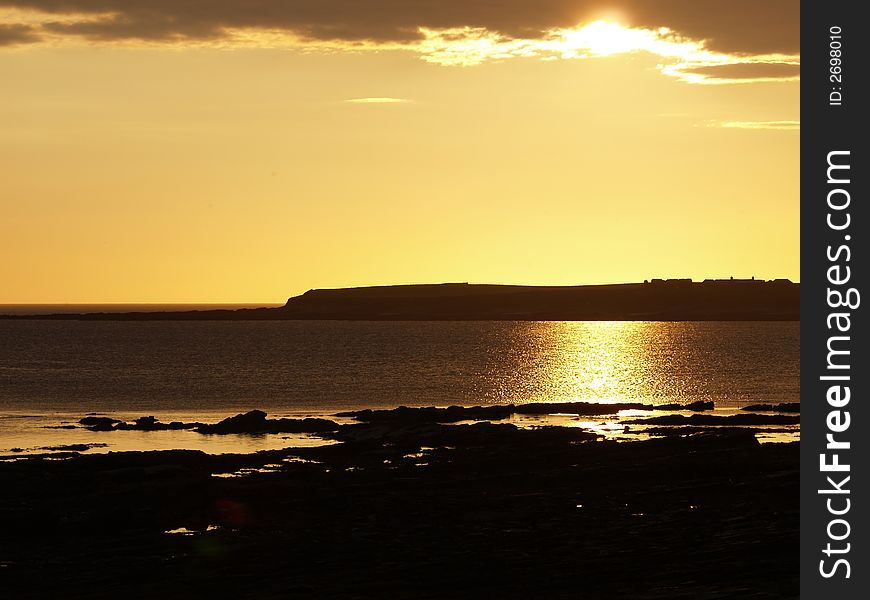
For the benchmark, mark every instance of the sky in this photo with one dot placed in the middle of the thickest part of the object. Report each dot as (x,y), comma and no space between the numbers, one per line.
(205,151)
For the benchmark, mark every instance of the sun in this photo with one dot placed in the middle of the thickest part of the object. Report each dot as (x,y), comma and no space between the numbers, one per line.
(603,38)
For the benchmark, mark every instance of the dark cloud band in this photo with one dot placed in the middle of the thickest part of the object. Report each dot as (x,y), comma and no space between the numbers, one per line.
(11,35)
(732,26)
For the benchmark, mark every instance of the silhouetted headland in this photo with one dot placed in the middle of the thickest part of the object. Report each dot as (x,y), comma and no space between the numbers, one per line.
(653,300)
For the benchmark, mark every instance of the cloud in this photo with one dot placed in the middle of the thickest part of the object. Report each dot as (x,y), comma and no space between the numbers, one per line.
(686,59)
(714,41)
(13,34)
(383,100)
(748,70)
(732,26)
(778,125)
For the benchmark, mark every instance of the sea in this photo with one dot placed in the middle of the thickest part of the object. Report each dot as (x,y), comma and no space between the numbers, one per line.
(52,373)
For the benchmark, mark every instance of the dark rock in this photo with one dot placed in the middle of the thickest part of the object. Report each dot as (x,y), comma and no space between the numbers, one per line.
(99,423)
(785,407)
(748,419)
(255,421)
(700,429)
(152,424)
(431,414)
(72,447)
(468,435)
(539,514)
(453,414)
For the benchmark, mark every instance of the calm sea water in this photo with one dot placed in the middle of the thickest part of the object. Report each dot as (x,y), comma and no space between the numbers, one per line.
(210,369)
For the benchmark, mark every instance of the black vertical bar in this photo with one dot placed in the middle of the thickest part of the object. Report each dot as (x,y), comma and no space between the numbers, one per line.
(834,225)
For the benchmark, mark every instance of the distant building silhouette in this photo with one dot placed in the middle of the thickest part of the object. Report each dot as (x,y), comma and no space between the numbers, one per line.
(730,280)
(675,281)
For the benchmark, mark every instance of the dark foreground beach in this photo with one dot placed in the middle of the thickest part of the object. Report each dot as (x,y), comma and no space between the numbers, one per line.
(406,507)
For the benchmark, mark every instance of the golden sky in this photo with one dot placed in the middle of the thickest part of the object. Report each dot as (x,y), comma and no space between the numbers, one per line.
(157,151)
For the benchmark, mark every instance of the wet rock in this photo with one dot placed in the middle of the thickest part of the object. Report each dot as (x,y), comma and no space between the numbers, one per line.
(453,414)
(700,429)
(785,407)
(146,422)
(431,414)
(72,447)
(151,423)
(466,435)
(535,511)
(748,419)
(255,421)
(99,423)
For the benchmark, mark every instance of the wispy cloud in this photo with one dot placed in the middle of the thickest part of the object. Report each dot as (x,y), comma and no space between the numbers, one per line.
(781,125)
(725,69)
(382,100)
(686,59)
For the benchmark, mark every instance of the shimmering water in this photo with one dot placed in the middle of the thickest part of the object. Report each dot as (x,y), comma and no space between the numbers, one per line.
(67,368)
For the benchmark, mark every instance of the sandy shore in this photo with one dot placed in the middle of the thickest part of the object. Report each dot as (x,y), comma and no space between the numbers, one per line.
(412,510)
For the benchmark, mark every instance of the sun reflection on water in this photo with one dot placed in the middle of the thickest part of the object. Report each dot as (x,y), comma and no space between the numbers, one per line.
(634,361)
(299,369)
(602,361)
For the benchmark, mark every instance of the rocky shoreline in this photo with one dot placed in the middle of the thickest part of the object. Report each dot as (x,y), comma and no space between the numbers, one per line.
(256,421)
(412,508)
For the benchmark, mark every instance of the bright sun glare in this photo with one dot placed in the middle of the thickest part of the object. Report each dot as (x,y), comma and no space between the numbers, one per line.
(467,46)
